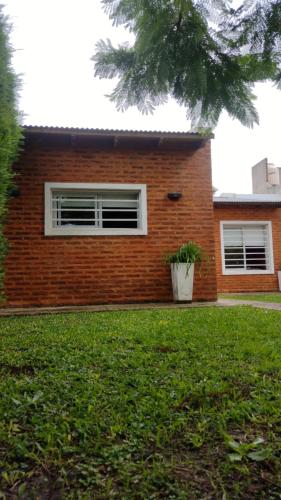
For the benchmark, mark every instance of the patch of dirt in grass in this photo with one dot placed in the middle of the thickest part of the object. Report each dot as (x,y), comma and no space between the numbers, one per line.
(18,370)
(165,349)
(209,476)
(42,484)
(215,398)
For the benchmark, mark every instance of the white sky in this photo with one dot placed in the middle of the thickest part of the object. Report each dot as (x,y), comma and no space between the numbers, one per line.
(54,41)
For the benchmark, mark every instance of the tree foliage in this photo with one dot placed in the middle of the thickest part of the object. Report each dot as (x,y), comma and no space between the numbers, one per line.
(10,134)
(205,53)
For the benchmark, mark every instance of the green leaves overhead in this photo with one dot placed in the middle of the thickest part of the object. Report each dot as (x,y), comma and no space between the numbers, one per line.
(205,54)
(9,128)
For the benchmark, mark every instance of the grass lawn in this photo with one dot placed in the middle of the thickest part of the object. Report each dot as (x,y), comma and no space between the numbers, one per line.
(267,297)
(176,404)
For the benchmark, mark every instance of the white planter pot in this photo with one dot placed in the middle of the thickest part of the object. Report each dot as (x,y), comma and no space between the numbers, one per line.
(182,282)
(279,279)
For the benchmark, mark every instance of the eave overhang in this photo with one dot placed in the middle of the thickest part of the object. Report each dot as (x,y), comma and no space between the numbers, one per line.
(114,138)
(253,200)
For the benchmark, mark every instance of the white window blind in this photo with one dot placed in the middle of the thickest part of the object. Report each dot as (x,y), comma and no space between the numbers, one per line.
(95,209)
(246,248)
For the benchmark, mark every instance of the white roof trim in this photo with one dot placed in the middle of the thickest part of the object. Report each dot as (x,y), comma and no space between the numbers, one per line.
(247,198)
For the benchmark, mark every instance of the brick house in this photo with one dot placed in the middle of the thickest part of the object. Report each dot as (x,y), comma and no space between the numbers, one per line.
(248,242)
(95,216)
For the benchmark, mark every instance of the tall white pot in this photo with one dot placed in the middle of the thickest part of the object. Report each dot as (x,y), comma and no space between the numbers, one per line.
(182,282)
(279,279)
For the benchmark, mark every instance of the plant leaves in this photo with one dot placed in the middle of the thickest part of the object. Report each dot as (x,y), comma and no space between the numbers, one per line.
(260,456)
(233,445)
(258,441)
(234,457)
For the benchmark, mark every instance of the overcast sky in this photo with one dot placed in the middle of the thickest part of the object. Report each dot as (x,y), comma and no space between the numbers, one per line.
(54,41)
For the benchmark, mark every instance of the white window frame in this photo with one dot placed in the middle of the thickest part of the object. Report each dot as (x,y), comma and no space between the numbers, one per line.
(94,231)
(268,225)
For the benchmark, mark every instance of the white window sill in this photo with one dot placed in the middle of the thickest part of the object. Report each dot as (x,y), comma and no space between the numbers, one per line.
(94,232)
(244,272)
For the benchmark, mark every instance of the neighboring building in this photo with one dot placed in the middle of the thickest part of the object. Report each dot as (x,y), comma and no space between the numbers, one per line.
(266,178)
(248,234)
(93,219)
(248,242)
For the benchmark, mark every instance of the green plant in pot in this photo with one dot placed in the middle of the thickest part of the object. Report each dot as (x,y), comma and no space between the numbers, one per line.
(182,269)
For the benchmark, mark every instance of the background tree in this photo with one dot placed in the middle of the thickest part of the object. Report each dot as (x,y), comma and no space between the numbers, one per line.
(204,53)
(10,134)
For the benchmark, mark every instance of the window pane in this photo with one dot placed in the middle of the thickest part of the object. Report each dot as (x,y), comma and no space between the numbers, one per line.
(255,236)
(233,247)
(256,258)
(115,218)
(119,210)
(246,247)
(256,247)
(74,209)
(234,257)
(100,209)
(233,236)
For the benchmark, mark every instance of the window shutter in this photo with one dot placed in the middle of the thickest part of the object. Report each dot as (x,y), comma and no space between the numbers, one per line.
(246,248)
(233,247)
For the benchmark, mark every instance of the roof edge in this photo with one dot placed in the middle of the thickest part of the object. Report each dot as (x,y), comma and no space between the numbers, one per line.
(250,199)
(99,132)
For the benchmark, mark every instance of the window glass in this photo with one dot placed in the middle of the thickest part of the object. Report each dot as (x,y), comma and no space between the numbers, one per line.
(97,209)
(73,209)
(246,247)
(119,210)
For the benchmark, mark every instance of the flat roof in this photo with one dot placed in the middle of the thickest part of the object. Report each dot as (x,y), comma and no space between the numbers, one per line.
(248,199)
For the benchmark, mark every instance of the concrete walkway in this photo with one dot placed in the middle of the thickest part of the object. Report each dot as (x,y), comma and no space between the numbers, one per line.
(33,311)
(253,303)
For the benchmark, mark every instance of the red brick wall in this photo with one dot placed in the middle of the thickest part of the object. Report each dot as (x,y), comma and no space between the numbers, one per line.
(248,283)
(105,269)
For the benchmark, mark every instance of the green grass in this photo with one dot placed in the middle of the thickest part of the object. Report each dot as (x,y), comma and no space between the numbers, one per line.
(259,297)
(175,404)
